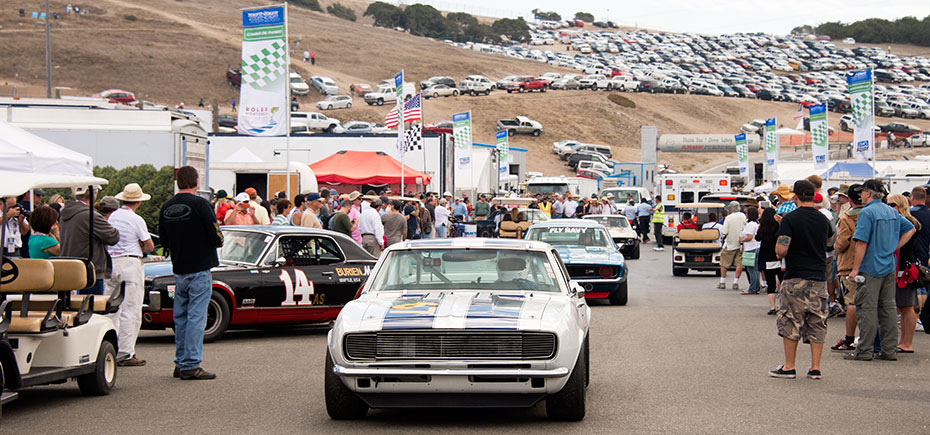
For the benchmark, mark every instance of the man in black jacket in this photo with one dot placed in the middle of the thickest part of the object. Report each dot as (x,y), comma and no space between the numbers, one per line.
(190,233)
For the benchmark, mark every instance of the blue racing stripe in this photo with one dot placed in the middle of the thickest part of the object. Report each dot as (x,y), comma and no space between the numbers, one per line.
(410,312)
(491,311)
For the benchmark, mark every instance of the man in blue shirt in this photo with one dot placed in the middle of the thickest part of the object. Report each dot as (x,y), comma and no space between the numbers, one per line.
(880,231)
(459,210)
(644,218)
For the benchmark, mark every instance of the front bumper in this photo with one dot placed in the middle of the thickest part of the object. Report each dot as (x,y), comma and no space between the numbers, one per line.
(506,373)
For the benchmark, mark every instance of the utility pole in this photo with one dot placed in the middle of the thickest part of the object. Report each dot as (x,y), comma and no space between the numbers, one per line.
(48,54)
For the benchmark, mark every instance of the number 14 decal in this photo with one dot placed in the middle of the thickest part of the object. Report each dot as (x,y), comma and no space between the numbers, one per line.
(301,287)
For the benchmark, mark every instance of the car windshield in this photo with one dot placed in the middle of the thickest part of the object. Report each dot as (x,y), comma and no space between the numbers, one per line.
(466,269)
(297,80)
(242,246)
(624,195)
(570,236)
(610,221)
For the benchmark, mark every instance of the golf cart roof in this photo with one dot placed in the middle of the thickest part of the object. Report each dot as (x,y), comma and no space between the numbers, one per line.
(18,183)
(512,201)
(695,205)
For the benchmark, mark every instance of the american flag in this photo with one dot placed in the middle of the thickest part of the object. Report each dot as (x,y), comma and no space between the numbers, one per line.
(800,113)
(411,112)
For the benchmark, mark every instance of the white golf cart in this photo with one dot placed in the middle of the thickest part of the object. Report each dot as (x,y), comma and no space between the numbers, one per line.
(48,335)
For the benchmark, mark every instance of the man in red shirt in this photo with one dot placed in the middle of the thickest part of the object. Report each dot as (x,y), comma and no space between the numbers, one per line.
(686,222)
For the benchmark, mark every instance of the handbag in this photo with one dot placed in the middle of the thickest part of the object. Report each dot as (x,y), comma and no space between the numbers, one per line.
(749,258)
(922,276)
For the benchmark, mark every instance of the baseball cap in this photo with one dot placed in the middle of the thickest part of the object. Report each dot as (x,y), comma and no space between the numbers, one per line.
(874,185)
(855,192)
(242,197)
(804,188)
(312,196)
(818,198)
(251,191)
(221,194)
(110,202)
(38,191)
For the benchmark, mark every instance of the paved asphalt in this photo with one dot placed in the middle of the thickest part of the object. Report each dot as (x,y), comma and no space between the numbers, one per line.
(682,357)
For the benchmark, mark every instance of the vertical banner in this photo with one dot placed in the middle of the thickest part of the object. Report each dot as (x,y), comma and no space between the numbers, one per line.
(863,116)
(263,94)
(503,153)
(742,155)
(771,146)
(820,135)
(461,133)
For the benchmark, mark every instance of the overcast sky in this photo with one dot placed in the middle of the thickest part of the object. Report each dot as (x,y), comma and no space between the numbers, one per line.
(702,16)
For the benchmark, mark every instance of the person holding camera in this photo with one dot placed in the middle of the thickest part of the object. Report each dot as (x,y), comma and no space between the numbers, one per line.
(243,213)
(16,225)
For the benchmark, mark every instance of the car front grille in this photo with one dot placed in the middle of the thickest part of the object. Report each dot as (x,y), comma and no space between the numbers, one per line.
(448,345)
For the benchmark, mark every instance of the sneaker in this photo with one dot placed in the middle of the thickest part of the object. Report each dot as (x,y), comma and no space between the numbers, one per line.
(814,374)
(843,346)
(735,286)
(722,286)
(177,372)
(131,362)
(771,312)
(784,374)
(196,374)
(835,310)
(885,357)
(658,248)
(853,356)
(920,326)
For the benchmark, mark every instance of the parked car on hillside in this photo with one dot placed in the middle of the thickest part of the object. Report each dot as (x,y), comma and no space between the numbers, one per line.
(359,89)
(437,80)
(921,139)
(335,102)
(439,90)
(520,124)
(899,129)
(525,84)
(315,121)
(475,85)
(502,83)
(324,85)
(298,85)
(117,96)
(565,83)
(388,93)
(234,77)
(624,83)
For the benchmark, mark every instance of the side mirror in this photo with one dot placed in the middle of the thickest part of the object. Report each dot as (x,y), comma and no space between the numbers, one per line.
(576,289)
(280,261)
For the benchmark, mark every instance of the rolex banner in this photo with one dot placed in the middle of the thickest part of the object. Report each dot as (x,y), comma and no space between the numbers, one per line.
(863,119)
(771,145)
(263,94)
(742,154)
(820,135)
(503,152)
(461,134)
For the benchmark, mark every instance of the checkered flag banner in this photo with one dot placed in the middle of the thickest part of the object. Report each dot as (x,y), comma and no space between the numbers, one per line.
(820,135)
(862,101)
(461,135)
(264,67)
(413,138)
(771,144)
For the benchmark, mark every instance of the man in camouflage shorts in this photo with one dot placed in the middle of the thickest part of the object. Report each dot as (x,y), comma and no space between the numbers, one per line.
(802,297)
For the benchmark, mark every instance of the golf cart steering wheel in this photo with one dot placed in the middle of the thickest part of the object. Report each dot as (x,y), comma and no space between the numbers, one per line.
(8,274)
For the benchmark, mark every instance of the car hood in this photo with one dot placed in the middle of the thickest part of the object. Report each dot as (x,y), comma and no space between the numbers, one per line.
(589,255)
(618,233)
(451,310)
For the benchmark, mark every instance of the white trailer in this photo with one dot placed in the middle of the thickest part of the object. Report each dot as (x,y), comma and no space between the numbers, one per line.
(575,185)
(677,189)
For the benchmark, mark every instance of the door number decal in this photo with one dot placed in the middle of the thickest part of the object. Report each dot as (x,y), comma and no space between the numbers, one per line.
(300,287)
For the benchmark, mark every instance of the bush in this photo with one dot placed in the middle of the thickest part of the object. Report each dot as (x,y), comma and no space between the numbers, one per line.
(130,17)
(584,16)
(385,15)
(906,30)
(514,30)
(341,11)
(313,5)
(424,20)
(544,15)
(621,100)
(158,183)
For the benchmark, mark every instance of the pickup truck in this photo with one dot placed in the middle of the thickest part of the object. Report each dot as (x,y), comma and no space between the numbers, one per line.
(234,77)
(388,93)
(315,121)
(624,82)
(520,124)
(527,83)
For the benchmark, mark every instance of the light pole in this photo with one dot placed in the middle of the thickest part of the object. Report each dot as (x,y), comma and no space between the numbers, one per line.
(48,54)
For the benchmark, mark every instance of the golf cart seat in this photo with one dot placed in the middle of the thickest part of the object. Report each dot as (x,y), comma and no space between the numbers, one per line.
(68,274)
(705,239)
(44,313)
(514,230)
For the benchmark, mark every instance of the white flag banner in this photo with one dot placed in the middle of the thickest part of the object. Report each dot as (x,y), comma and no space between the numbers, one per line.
(263,94)
(461,134)
(820,135)
(742,154)
(771,145)
(503,152)
(862,101)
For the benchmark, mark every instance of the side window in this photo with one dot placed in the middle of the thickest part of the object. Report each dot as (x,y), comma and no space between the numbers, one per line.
(565,274)
(309,251)
(686,197)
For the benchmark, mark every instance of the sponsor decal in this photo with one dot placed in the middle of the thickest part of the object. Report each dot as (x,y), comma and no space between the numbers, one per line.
(410,313)
(491,311)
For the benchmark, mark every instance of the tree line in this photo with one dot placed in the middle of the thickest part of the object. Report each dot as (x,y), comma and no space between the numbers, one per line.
(906,30)
(425,20)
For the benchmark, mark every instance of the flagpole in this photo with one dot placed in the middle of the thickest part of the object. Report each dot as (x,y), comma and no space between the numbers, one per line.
(400,128)
(872,126)
(287,105)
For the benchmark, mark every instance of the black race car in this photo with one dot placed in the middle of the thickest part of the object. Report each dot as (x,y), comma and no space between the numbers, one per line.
(268,275)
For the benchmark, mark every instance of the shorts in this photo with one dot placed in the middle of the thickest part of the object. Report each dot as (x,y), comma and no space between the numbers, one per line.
(830,271)
(849,289)
(731,258)
(922,291)
(905,297)
(802,310)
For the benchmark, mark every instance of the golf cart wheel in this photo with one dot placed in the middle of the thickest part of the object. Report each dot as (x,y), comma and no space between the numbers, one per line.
(102,380)
(217,318)
(679,271)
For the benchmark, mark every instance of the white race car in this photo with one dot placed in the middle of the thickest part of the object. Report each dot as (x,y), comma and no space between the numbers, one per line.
(462,323)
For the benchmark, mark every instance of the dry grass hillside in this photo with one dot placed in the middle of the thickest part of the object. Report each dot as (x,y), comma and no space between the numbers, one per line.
(169,51)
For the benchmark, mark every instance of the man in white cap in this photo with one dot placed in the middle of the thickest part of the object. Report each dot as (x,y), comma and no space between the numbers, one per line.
(134,241)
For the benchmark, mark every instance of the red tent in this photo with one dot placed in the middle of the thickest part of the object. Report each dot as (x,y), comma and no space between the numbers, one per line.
(364,167)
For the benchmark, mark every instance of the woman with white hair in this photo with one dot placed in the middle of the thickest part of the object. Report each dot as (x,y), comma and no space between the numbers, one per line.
(442,218)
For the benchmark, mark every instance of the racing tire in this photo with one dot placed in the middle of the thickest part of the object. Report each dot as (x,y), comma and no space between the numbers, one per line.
(341,402)
(679,271)
(620,295)
(380,101)
(635,254)
(569,403)
(536,133)
(102,380)
(587,367)
(217,318)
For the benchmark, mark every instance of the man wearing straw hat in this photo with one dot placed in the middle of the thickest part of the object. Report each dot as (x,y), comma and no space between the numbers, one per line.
(134,240)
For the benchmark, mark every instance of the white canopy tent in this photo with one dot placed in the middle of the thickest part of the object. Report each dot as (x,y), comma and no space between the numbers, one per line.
(22,151)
